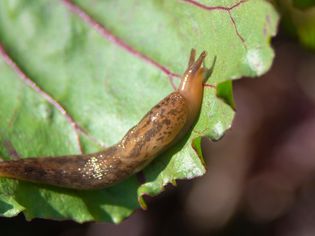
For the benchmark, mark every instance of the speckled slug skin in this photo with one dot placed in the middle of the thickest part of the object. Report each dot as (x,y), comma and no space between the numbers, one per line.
(161,127)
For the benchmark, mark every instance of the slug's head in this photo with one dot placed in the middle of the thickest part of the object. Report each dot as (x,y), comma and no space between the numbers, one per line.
(196,74)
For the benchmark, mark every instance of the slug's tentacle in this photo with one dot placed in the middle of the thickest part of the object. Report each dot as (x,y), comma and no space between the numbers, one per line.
(192,57)
(165,124)
(196,66)
(209,71)
(191,86)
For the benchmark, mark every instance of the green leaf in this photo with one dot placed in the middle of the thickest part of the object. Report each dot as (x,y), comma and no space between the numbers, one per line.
(303,4)
(106,79)
(225,91)
(299,20)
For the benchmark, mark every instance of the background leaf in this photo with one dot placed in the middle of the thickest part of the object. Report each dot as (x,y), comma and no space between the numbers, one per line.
(303,4)
(94,71)
(299,20)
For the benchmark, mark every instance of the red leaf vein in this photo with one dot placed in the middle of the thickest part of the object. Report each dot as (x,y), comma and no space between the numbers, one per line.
(75,126)
(104,32)
(222,8)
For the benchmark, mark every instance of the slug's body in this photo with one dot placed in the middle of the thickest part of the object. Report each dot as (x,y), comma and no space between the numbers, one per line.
(161,127)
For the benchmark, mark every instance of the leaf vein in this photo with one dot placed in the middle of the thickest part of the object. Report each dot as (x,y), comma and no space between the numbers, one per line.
(222,8)
(105,33)
(30,83)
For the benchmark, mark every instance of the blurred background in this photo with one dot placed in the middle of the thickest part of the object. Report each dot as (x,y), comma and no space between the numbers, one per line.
(260,178)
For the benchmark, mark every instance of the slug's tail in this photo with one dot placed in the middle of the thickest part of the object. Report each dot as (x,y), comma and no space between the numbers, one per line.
(53,171)
(16,169)
(9,169)
(83,172)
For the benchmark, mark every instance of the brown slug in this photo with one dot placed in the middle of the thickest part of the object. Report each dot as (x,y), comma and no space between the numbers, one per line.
(161,127)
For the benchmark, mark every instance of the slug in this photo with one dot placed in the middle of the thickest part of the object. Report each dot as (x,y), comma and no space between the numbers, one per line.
(164,125)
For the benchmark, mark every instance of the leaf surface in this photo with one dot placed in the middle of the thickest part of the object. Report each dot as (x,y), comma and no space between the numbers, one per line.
(77,75)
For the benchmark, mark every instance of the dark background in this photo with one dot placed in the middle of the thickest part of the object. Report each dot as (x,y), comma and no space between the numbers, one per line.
(260,178)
